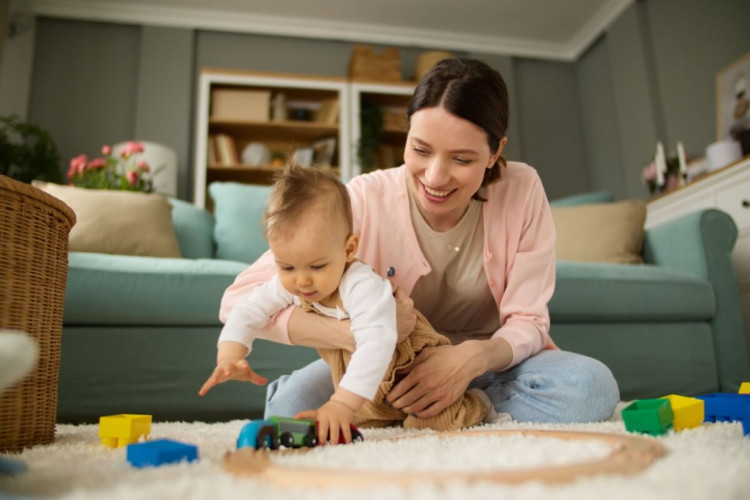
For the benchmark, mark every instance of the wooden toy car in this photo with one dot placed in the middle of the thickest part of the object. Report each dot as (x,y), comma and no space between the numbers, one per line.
(287,432)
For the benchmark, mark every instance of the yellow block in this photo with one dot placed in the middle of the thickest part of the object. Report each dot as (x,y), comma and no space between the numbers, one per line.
(688,412)
(745,388)
(120,430)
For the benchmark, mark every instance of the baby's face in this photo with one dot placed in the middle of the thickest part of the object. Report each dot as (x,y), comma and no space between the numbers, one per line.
(311,256)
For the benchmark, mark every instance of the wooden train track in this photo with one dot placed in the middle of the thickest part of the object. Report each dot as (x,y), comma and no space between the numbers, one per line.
(629,454)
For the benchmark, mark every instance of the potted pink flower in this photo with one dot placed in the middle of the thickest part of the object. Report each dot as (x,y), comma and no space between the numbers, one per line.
(125,171)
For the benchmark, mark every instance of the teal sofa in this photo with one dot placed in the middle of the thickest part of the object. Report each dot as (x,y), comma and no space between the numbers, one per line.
(139,334)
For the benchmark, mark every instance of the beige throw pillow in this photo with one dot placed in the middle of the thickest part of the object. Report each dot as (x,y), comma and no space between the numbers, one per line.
(118,222)
(601,232)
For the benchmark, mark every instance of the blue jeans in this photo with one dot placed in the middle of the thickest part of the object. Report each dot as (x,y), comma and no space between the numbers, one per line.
(552,386)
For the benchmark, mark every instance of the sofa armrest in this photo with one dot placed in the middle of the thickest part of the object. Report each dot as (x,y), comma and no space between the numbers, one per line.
(194,228)
(701,243)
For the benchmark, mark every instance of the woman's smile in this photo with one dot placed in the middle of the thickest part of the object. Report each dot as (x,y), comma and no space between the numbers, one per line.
(437,195)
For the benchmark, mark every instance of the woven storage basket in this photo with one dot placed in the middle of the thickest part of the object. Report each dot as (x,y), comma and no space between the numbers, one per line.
(34,229)
(370,64)
(427,60)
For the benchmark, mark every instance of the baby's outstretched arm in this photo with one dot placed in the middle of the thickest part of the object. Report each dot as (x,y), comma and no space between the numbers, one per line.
(231,365)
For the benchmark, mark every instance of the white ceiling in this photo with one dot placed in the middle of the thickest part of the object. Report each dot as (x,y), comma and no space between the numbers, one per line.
(551,29)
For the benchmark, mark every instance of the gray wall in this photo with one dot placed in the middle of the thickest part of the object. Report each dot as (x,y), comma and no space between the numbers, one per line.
(504,64)
(96,84)
(147,90)
(84,84)
(600,128)
(689,49)
(591,124)
(652,77)
(16,60)
(551,125)
(164,102)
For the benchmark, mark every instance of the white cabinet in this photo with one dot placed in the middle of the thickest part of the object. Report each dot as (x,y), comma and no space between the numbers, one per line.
(285,113)
(727,189)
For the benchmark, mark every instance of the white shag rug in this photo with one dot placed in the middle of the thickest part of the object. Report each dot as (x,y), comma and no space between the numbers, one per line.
(710,462)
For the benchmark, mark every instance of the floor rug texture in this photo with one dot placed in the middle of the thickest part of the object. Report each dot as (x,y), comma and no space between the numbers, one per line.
(709,462)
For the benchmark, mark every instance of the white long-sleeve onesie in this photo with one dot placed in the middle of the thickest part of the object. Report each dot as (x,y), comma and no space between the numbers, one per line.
(368,302)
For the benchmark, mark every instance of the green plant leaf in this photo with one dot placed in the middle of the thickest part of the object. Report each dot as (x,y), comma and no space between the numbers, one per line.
(27,152)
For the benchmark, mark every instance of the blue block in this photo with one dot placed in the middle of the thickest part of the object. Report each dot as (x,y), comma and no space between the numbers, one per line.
(160,452)
(11,466)
(725,407)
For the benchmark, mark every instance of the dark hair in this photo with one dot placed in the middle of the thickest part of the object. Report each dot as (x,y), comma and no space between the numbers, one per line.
(296,188)
(472,90)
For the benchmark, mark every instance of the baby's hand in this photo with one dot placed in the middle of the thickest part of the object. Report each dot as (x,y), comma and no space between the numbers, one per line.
(232,370)
(333,418)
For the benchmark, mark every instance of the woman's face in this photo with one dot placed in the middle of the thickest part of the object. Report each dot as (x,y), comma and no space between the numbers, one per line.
(445,157)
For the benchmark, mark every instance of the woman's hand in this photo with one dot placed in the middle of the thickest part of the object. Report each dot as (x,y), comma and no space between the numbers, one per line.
(440,375)
(406,317)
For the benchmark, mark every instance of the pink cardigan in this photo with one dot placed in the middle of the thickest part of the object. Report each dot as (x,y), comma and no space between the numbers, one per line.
(519,252)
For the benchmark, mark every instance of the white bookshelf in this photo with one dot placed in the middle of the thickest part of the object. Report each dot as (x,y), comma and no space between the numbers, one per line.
(286,135)
(391,98)
(283,135)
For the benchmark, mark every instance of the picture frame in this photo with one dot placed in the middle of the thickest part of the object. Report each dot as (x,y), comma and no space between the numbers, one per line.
(733,98)
(324,152)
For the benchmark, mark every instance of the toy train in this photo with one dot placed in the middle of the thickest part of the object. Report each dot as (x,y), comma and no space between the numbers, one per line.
(288,432)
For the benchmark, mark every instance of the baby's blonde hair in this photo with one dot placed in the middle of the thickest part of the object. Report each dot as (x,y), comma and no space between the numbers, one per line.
(296,188)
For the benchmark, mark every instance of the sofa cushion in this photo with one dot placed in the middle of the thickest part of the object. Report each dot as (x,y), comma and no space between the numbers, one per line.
(583,199)
(118,222)
(194,228)
(601,232)
(123,290)
(601,292)
(238,210)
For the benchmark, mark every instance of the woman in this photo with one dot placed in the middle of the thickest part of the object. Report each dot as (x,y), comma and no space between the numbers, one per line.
(472,243)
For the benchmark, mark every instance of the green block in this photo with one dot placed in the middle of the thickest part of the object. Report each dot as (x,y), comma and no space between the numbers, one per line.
(649,416)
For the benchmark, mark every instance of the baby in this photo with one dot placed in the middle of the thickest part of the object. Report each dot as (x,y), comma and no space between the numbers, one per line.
(309,229)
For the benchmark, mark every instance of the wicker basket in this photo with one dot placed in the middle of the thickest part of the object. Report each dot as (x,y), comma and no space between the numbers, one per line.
(372,65)
(34,229)
(427,60)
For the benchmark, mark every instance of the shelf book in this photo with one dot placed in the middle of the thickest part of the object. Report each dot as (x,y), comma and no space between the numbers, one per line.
(224,150)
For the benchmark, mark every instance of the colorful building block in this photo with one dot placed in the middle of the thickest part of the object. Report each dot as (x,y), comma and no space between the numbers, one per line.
(728,407)
(725,407)
(745,388)
(116,431)
(649,416)
(688,412)
(160,452)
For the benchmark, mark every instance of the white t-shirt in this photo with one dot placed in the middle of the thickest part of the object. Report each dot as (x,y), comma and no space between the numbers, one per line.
(368,302)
